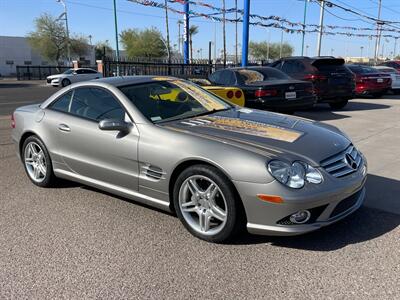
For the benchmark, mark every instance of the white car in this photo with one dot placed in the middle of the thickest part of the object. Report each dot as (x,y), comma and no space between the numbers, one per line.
(394,74)
(72,76)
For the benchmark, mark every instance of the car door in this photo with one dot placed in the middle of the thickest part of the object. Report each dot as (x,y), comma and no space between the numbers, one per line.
(103,156)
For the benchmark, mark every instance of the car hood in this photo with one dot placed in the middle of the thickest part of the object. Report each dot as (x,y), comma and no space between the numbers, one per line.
(55,76)
(268,133)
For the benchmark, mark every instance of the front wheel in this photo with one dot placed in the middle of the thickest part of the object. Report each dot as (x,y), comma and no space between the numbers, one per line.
(207,204)
(339,105)
(65,82)
(37,162)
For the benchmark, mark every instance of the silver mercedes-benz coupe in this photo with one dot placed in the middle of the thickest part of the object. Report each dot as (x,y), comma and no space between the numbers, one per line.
(168,143)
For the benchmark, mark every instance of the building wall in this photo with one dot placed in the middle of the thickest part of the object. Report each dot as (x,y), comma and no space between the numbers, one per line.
(16,51)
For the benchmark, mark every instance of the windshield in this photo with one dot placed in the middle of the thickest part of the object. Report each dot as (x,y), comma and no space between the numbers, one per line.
(69,71)
(256,75)
(174,99)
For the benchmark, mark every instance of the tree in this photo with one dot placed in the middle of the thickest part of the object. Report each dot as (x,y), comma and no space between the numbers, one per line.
(103,49)
(143,43)
(49,38)
(193,30)
(261,50)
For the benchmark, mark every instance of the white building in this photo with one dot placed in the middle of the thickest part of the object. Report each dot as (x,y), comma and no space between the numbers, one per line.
(16,51)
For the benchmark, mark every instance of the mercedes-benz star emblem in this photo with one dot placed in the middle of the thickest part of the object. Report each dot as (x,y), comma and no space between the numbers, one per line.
(351,162)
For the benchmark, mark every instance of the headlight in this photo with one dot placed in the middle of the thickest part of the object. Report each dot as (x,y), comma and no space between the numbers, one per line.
(294,175)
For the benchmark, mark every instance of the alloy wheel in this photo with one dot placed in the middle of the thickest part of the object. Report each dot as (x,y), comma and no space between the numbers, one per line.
(203,205)
(35,162)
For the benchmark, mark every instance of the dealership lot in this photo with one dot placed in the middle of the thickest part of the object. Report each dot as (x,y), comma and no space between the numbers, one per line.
(76,242)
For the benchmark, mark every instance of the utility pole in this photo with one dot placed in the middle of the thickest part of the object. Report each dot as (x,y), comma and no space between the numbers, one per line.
(378,31)
(167,29)
(321,24)
(245,37)
(65,15)
(395,46)
(224,32)
(304,27)
(179,36)
(280,49)
(116,36)
(236,34)
(361,48)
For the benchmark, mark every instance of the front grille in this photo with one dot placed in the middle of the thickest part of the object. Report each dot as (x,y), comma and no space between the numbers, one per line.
(343,163)
(48,80)
(345,204)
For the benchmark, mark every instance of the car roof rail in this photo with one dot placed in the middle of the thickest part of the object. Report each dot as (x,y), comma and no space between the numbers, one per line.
(294,57)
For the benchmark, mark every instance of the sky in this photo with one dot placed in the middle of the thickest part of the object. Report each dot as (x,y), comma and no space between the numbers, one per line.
(95,18)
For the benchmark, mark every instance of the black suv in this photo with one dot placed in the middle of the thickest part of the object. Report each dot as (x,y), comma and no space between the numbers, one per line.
(333,82)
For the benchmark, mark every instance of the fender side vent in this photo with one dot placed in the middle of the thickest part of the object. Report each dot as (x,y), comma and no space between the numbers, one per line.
(153,172)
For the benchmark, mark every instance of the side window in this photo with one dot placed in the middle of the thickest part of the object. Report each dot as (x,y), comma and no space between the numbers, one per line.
(80,71)
(277,64)
(228,78)
(299,67)
(96,104)
(289,67)
(62,103)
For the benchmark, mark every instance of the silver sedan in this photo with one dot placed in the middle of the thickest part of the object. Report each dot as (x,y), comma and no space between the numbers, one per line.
(168,143)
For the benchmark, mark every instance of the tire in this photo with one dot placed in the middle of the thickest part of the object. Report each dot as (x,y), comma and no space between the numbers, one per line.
(65,82)
(215,218)
(37,162)
(338,105)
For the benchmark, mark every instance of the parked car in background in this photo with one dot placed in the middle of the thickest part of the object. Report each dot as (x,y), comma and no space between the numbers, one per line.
(394,74)
(232,94)
(72,76)
(391,63)
(333,82)
(220,167)
(267,88)
(370,81)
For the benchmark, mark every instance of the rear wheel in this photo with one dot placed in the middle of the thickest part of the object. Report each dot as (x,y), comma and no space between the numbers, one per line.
(37,162)
(339,105)
(65,82)
(206,204)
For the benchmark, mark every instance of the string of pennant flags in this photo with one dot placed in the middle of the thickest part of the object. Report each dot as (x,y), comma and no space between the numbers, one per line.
(277,21)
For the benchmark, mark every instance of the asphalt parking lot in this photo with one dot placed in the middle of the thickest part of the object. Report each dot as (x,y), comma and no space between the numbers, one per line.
(76,242)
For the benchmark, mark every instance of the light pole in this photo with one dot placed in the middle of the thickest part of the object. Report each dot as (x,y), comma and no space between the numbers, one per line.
(361,48)
(378,29)
(90,39)
(395,46)
(321,24)
(304,27)
(64,16)
(245,36)
(236,34)
(116,35)
(280,48)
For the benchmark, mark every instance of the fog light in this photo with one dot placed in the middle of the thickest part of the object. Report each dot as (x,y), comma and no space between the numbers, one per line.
(300,217)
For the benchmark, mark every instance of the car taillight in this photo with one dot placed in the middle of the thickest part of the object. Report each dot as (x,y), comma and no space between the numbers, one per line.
(266,93)
(314,77)
(229,94)
(12,121)
(238,94)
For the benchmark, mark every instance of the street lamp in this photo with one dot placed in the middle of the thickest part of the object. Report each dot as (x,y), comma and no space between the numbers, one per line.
(64,17)
(361,48)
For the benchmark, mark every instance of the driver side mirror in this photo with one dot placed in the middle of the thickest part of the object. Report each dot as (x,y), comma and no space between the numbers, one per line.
(114,125)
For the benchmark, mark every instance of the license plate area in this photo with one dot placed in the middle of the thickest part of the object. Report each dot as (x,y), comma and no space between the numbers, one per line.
(379,80)
(290,95)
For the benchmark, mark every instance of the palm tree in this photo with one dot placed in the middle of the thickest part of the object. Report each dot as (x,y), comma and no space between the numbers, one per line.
(180,22)
(192,31)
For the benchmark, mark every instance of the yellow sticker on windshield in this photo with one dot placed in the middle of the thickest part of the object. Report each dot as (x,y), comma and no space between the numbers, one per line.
(160,78)
(254,128)
(204,98)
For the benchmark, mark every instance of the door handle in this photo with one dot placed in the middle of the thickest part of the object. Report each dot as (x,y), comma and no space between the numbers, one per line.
(64,127)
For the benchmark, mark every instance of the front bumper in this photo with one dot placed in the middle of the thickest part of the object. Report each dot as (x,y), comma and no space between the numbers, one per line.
(328,198)
(53,82)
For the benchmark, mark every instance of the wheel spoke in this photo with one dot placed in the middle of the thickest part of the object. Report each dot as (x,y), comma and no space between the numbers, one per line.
(217,213)
(204,221)
(36,172)
(32,149)
(42,169)
(189,206)
(212,191)
(193,187)
(29,161)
